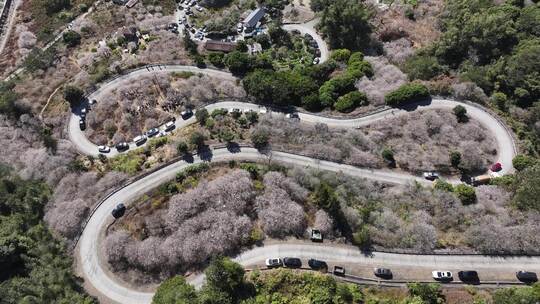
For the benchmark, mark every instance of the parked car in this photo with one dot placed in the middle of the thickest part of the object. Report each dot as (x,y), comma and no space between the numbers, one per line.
(169,126)
(199,8)
(139,140)
(93,101)
(104,149)
(186,114)
(122,146)
(82,124)
(119,211)
(292,262)
(152,132)
(339,271)
(384,273)
(469,276)
(292,116)
(317,264)
(84,111)
(274,263)
(239,27)
(431,176)
(496,167)
(316,236)
(527,276)
(441,275)
(316,60)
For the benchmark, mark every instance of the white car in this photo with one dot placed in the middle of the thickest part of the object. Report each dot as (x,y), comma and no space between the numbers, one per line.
(274,262)
(199,8)
(104,149)
(139,140)
(442,275)
(263,110)
(431,176)
(169,126)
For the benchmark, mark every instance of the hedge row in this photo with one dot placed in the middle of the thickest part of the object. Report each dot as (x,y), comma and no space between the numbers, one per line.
(406,93)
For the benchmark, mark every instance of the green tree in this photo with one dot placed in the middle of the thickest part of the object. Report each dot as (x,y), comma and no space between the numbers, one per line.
(429,293)
(455,159)
(465,193)
(182,148)
(38,59)
(259,138)
(461,113)
(175,291)
(226,277)
(345,25)
(422,67)
(388,155)
(197,139)
(350,101)
(189,44)
(500,100)
(202,115)
(523,295)
(71,38)
(521,162)
(238,63)
(341,55)
(216,59)
(527,189)
(227,136)
(406,93)
(73,94)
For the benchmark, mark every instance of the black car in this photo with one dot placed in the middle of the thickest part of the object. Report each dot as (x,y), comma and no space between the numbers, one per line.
(119,211)
(122,146)
(527,276)
(186,114)
(339,271)
(152,132)
(469,276)
(317,264)
(82,124)
(292,262)
(384,273)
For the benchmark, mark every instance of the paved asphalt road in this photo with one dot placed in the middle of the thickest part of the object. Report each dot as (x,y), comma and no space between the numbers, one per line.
(105,283)
(109,286)
(506,146)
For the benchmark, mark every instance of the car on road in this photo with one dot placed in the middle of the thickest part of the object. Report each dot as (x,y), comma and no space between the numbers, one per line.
(84,111)
(339,271)
(186,114)
(263,110)
(528,277)
(469,276)
(316,60)
(431,175)
(274,263)
(292,262)
(384,273)
(169,126)
(119,211)
(139,140)
(152,132)
(122,146)
(442,275)
(82,124)
(292,116)
(317,264)
(316,236)
(496,167)
(104,149)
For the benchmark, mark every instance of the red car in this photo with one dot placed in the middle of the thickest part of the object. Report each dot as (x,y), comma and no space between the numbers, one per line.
(496,167)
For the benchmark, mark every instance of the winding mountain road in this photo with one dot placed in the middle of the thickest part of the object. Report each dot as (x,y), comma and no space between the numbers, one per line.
(94,269)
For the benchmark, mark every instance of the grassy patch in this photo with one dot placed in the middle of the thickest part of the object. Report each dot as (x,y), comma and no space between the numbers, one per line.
(129,163)
(168,6)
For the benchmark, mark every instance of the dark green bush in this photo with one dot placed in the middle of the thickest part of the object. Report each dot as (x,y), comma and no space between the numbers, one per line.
(406,93)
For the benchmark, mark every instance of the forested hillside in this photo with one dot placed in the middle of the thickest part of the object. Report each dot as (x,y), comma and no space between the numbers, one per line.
(34,266)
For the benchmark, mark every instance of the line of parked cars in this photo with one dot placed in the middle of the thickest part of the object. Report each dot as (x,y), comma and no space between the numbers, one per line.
(466,276)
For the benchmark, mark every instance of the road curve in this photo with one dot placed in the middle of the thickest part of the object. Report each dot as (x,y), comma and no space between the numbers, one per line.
(94,270)
(309,28)
(96,275)
(506,146)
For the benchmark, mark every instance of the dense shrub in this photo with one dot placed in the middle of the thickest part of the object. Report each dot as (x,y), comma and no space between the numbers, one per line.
(71,38)
(340,55)
(350,101)
(406,93)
